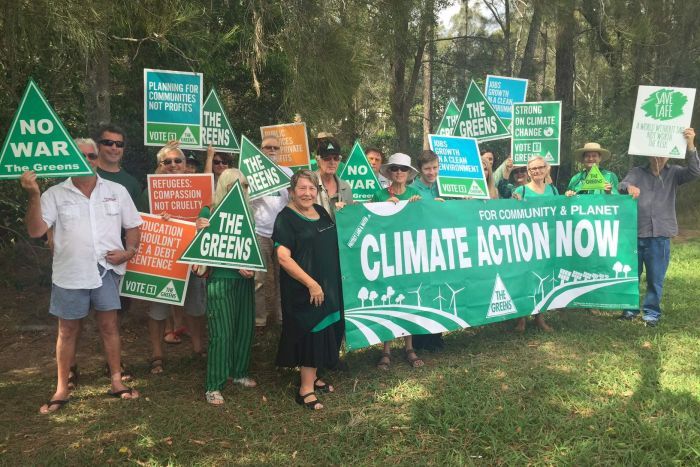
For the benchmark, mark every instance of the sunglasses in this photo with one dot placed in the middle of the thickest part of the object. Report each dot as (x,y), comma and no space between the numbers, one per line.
(396,168)
(217,162)
(111,142)
(537,169)
(90,155)
(171,161)
(271,148)
(331,158)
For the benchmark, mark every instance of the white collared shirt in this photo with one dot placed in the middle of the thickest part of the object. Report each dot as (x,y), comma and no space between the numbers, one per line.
(266,208)
(85,229)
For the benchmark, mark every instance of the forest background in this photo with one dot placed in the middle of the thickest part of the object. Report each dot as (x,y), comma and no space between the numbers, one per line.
(380,71)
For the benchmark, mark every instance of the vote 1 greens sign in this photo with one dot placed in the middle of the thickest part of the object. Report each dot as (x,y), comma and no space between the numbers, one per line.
(449,119)
(38,141)
(478,119)
(216,129)
(359,174)
(263,175)
(461,174)
(229,240)
(660,116)
(172,106)
(536,132)
(427,266)
(153,273)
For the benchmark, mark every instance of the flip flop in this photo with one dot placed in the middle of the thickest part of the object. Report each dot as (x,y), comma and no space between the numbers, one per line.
(119,394)
(172,338)
(59,402)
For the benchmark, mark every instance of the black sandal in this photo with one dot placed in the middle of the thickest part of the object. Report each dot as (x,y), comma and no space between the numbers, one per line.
(157,366)
(73,377)
(325,387)
(118,394)
(59,402)
(310,404)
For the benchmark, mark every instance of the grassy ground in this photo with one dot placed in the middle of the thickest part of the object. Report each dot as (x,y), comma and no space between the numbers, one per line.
(597,391)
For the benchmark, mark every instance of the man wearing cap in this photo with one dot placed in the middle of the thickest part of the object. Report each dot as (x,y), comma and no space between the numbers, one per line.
(265,209)
(654,187)
(333,193)
(589,155)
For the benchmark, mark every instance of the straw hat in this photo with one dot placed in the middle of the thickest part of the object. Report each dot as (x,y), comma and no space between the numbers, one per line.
(398,159)
(592,147)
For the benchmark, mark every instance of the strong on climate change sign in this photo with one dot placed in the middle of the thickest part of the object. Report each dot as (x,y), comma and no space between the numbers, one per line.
(427,266)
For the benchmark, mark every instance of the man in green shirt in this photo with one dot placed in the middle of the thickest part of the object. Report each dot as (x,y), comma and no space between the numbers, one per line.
(110,141)
(426,182)
(589,155)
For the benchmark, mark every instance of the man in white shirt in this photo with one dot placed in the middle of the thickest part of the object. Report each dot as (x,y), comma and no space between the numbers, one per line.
(86,215)
(265,210)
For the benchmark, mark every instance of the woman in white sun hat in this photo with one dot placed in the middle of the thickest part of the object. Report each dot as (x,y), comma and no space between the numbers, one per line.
(399,171)
(589,155)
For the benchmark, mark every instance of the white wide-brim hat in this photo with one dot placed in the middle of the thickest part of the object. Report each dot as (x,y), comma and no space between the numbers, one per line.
(398,158)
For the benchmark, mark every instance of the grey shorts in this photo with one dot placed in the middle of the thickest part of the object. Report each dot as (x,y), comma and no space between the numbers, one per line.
(76,303)
(195,301)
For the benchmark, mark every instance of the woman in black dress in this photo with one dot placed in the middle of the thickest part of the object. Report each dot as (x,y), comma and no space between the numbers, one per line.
(312,327)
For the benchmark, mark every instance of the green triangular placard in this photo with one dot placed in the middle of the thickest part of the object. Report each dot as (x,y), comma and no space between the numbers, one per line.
(38,141)
(476,190)
(478,119)
(264,177)
(594,180)
(359,174)
(216,129)
(229,241)
(449,119)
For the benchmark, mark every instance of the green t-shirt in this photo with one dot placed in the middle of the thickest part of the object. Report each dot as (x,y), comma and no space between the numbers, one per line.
(578,179)
(525,191)
(126,180)
(384,194)
(425,191)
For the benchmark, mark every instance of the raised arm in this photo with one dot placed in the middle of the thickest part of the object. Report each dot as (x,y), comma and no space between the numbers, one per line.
(692,170)
(36,227)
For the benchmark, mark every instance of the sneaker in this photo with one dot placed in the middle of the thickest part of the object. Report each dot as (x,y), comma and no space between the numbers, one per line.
(651,323)
(214,397)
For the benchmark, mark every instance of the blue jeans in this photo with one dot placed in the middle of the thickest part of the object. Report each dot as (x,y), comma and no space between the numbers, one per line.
(654,253)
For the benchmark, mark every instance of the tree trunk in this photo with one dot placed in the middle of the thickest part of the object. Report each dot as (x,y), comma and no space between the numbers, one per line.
(528,69)
(564,83)
(428,88)
(506,37)
(403,92)
(97,91)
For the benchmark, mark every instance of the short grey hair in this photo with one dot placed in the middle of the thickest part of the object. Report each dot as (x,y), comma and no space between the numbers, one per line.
(87,141)
(167,149)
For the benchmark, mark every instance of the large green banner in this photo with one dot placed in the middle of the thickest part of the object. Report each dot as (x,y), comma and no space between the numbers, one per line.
(427,266)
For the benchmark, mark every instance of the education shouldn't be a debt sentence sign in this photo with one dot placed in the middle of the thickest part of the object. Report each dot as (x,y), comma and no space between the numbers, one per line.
(153,273)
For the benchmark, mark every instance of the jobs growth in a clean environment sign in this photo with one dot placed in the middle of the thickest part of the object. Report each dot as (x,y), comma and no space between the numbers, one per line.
(172,107)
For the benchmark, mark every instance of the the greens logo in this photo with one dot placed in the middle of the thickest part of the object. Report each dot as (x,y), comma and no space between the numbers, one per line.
(664,104)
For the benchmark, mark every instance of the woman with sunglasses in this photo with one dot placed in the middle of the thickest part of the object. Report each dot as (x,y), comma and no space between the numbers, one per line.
(171,160)
(216,163)
(333,193)
(230,312)
(537,187)
(312,325)
(399,171)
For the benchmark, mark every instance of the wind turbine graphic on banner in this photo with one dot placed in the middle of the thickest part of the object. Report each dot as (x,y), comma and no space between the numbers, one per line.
(439,298)
(453,301)
(417,292)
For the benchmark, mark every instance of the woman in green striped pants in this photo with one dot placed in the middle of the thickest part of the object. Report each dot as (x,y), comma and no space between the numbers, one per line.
(230,312)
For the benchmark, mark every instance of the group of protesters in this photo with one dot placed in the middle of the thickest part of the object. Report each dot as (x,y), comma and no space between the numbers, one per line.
(93,223)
